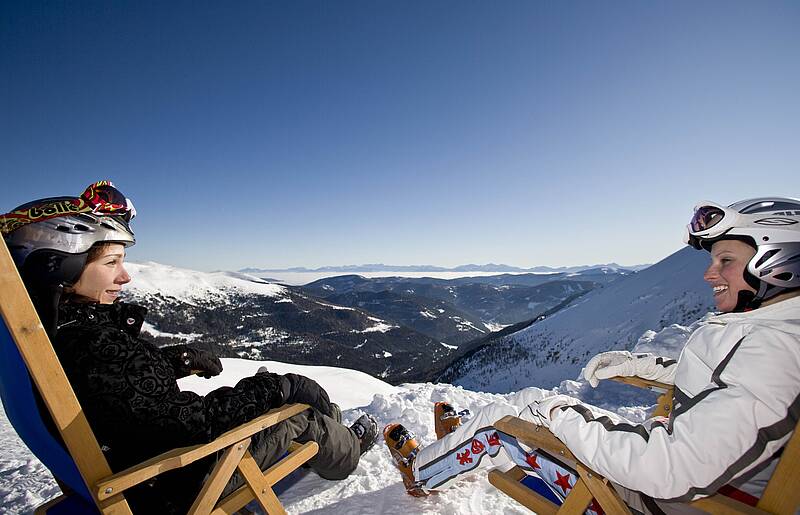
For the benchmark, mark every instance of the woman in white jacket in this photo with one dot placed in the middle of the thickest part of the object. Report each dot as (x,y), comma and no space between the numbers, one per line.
(737,382)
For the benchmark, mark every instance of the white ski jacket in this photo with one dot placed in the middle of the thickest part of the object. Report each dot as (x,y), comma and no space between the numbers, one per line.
(737,401)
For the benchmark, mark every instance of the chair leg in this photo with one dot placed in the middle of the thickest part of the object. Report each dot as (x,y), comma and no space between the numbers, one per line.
(215,484)
(243,495)
(603,492)
(578,499)
(508,482)
(260,486)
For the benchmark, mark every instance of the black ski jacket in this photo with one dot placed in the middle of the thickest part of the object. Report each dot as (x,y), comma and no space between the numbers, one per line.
(128,390)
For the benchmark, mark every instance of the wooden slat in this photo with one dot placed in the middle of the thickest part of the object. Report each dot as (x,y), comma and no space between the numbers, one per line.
(603,492)
(664,402)
(34,345)
(577,500)
(215,484)
(534,436)
(722,505)
(522,494)
(284,467)
(643,383)
(183,456)
(782,494)
(238,499)
(259,486)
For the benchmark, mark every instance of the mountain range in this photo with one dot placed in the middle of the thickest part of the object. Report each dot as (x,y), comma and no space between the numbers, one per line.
(489,267)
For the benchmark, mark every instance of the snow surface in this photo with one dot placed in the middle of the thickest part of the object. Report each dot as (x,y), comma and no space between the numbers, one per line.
(151,330)
(375,486)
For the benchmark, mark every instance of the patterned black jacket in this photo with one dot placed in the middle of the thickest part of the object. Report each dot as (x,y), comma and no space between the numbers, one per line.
(128,390)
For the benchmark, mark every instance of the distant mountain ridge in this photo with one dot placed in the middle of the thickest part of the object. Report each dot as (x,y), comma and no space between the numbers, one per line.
(489,267)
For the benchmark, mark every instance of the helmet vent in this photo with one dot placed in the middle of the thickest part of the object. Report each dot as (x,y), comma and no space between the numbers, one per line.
(62,228)
(767,255)
(785,276)
(86,218)
(107,225)
(81,227)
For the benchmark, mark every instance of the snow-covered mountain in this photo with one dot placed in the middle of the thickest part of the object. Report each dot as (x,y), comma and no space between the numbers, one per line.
(614,316)
(238,315)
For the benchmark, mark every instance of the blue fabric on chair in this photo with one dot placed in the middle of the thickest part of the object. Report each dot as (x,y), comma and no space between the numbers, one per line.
(19,401)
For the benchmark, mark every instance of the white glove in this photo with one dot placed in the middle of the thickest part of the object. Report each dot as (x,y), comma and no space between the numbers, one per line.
(622,363)
(543,412)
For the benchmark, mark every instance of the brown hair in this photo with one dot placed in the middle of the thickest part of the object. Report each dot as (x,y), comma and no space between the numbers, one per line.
(97,250)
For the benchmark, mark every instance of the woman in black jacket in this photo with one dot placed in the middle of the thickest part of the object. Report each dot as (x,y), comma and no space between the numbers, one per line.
(70,252)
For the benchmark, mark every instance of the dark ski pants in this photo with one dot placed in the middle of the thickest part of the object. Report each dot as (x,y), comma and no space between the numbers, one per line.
(339,449)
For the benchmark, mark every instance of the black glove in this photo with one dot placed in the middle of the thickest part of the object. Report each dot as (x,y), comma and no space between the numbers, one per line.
(201,362)
(302,389)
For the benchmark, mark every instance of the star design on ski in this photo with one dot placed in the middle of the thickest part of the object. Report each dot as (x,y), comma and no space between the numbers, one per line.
(463,458)
(531,460)
(563,482)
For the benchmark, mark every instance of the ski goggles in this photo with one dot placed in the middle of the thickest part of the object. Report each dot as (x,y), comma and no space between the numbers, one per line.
(100,198)
(710,221)
(105,199)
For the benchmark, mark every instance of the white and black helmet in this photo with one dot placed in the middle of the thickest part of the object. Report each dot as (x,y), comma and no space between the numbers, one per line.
(770,224)
(50,238)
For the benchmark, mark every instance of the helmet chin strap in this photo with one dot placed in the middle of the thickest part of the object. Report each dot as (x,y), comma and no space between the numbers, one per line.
(747,300)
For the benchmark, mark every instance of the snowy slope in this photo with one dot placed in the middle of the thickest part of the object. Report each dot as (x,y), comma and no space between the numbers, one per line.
(375,486)
(190,285)
(612,317)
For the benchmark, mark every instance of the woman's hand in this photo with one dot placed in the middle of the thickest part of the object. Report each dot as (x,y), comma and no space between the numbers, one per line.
(622,363)
(201,362)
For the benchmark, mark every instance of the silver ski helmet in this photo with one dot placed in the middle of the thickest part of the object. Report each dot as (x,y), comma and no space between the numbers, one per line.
(50,238)
(769,224)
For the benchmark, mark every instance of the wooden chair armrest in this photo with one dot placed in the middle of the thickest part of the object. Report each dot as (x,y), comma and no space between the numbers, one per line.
(177,458)
(534,436)
(654,386)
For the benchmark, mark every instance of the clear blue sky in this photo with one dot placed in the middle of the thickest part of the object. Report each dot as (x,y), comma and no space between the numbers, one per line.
(280,134)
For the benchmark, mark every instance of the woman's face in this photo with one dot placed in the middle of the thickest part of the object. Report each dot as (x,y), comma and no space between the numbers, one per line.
(102,279)
(725,274)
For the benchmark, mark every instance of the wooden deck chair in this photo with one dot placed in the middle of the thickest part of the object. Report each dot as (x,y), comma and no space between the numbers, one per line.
(782,495)
(88,484)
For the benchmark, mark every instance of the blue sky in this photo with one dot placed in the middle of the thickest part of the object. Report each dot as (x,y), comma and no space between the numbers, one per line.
(280,134)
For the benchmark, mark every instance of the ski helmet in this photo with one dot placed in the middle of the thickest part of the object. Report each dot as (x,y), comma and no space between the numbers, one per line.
(769,224)
(50,238)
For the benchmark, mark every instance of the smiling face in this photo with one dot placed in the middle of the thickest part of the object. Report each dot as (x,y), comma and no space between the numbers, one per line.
(725,274)
(102,278)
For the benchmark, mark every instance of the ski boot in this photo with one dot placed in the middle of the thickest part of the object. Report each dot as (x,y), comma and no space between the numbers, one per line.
(403,447)
(445,419)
